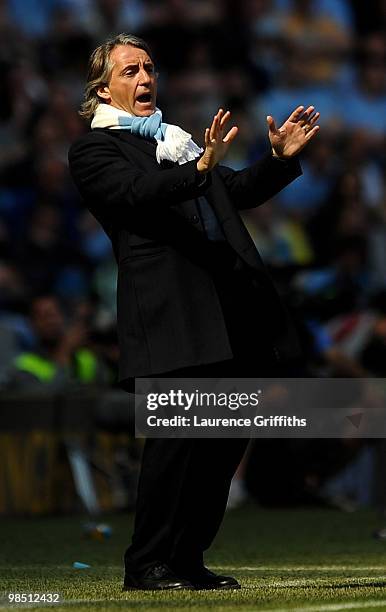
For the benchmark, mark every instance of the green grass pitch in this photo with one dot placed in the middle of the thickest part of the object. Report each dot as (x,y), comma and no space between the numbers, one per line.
(301,560)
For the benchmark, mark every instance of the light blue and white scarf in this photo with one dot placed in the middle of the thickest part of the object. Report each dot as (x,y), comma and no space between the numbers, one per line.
(173,143)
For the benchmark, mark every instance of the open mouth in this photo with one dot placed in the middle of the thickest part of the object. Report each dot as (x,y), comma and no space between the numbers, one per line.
(144,98)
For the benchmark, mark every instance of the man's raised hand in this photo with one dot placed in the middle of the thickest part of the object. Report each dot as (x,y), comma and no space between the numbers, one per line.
(295,133)
(216,144)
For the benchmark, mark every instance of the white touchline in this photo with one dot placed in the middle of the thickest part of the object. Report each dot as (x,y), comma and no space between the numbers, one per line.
(242,568)
(300,568)
(375,603)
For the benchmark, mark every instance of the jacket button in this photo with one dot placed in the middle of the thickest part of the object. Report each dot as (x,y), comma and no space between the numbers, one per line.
(194,219)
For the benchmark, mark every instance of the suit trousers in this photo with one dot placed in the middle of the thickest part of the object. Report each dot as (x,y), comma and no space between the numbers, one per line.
(184,483)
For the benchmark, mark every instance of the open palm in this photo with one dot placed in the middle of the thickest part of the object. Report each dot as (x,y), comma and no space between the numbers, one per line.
(295,133)
(216,143)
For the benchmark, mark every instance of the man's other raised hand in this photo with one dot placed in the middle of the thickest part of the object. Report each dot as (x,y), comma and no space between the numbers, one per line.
(295,133)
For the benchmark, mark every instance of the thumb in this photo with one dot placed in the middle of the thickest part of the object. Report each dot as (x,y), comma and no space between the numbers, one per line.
(271,124)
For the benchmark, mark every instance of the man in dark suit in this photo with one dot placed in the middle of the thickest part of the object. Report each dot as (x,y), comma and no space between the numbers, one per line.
(194,298)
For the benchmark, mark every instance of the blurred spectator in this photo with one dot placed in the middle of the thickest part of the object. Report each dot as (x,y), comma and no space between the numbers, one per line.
(102,18)
(293,86)
(319,174)
(341,286)
(374,353)
(46,256)
(373,349)
(365,105)
(14,329)
(316,41)
(283,243)
(326,232)
(33,16)
(342,214)
(320,38)
(60,355)
(340,11)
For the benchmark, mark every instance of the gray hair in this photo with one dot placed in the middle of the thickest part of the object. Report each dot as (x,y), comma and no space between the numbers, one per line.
(100,67)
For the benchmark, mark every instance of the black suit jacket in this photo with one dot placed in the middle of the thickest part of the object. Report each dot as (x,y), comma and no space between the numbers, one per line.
(169,313)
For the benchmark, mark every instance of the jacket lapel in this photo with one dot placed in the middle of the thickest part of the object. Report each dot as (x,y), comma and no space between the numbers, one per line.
(147,146)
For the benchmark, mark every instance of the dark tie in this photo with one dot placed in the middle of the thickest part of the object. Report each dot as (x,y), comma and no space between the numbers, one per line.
(209,220)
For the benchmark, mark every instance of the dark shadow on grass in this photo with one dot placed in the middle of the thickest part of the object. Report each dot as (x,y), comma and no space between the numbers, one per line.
(360,585)
(379,584)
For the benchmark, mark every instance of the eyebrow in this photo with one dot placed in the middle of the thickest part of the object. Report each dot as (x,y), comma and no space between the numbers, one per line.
(135,65)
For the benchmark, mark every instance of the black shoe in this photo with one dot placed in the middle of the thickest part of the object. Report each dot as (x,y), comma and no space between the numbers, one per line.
(206,580)
(156,577)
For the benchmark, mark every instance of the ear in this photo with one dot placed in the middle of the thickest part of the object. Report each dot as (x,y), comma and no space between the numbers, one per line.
(104,92)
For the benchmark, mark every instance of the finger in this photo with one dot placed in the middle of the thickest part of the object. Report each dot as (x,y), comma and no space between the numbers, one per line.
(296,114)
(309,110)
(312,132)
(206,137)
(271,124)
(231,135)
(224,119)
(306,115)
(213,127)
(306,125)
(219,116)
(313,119)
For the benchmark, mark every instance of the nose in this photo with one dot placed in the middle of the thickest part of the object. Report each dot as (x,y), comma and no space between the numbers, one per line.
(143,76)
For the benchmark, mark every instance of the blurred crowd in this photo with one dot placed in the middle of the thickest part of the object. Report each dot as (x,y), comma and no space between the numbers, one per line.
(324,238)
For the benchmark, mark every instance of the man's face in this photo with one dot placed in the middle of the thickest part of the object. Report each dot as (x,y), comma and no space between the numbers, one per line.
(47,320)
(133,86)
